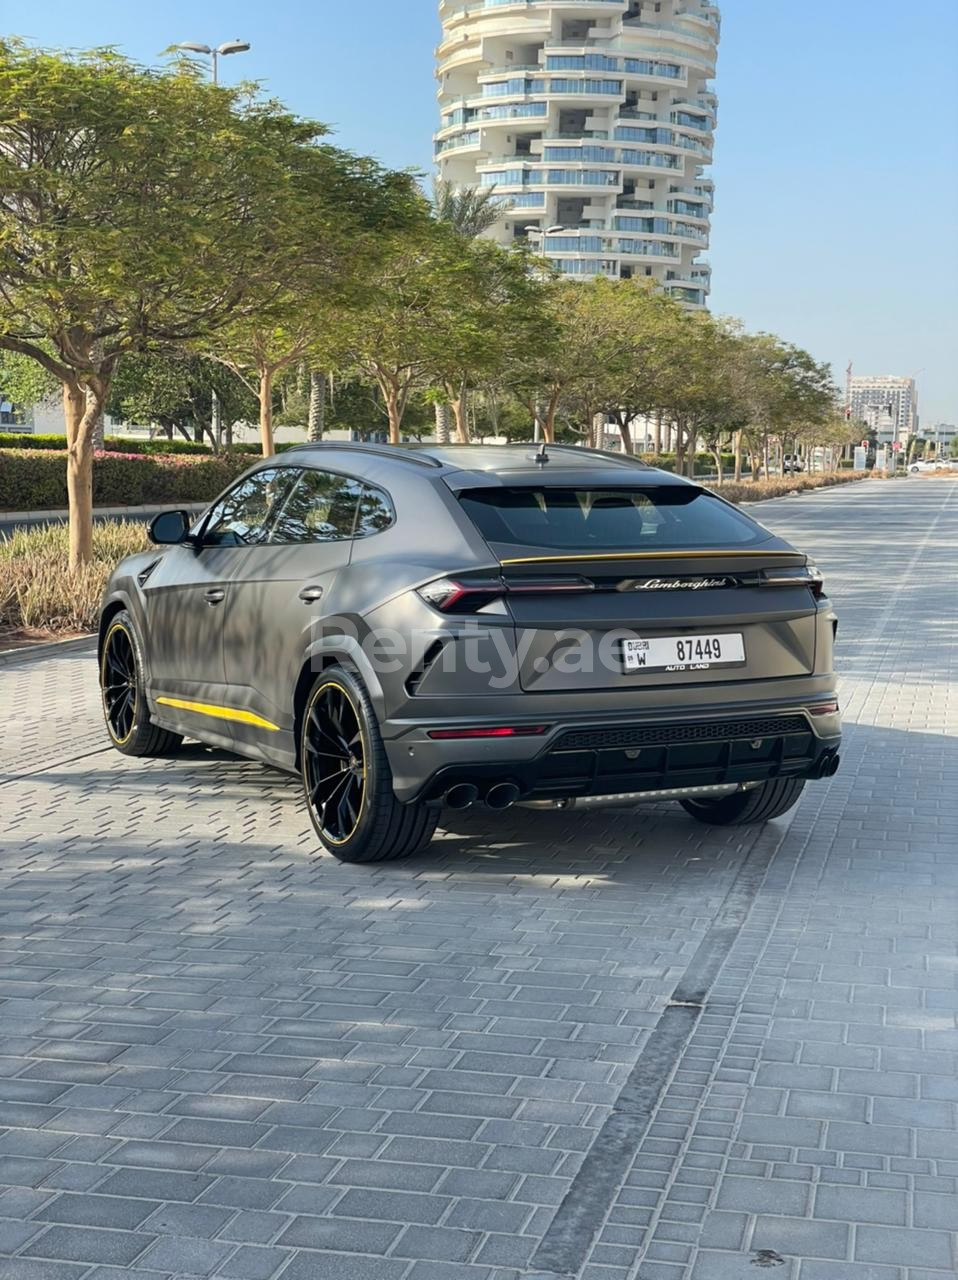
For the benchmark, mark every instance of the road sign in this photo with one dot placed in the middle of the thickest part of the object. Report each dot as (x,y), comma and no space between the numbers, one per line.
(896,446)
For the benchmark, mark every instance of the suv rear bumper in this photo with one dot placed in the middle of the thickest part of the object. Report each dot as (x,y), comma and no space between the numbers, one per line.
(625,754)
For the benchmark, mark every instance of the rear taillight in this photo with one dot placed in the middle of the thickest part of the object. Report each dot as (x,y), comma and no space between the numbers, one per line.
(468,595)
(799,576)
(497,731)
(451,596)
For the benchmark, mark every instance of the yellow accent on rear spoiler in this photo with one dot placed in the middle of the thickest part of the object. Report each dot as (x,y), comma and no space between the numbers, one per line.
(646,555)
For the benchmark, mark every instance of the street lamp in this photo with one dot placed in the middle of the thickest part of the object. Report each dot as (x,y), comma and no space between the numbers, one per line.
(535,232)
(222,50)
(214,54)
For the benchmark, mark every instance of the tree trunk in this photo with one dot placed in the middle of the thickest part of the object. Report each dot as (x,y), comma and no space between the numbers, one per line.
(738,457)
(394,410)
(717,455)
(266,412)
(765,458)
(657,437)
(460,412)
(199,431)
(317,404)
(442,423)
(79,476)
(99,443)
(81,410)
(679,466)
(626,433)
(548,421)
(217,424)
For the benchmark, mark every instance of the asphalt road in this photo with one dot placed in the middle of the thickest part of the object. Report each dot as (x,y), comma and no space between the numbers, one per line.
(611,1046)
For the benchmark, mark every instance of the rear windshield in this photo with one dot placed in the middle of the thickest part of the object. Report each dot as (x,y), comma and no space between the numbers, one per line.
(667,516)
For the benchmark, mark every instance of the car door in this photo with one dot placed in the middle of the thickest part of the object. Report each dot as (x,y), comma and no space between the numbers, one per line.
(279,592)
(185,598)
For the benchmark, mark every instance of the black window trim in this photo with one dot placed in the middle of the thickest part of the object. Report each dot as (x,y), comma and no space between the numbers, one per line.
(302,466)
(204,521)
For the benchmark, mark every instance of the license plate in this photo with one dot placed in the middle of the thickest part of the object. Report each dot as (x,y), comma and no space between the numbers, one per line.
(683,653)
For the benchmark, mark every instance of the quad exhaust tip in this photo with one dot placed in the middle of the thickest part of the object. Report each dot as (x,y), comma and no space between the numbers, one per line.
(502,796)
(829,765)
(462,796)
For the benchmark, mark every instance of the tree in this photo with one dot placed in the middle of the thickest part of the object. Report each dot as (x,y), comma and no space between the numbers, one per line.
(410,320)
(784,390)
(24,382)
(498,311)
(332,239)
(175,391)
(469,211)
(139,210)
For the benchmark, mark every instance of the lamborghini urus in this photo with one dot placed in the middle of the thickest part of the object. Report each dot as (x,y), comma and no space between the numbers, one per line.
(413,628)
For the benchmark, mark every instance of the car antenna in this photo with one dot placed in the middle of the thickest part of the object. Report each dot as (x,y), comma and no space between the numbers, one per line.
(541,456)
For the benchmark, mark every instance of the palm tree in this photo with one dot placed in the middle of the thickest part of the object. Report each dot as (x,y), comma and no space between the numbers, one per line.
(468,210)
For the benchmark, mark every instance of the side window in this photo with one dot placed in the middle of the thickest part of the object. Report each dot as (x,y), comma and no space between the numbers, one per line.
(240,518)
(375,512)
(320,508)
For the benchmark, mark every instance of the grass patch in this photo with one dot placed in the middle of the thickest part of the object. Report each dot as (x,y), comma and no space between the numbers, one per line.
(37,590)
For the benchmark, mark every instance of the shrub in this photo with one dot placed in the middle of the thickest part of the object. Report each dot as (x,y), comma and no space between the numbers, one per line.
(119,444)
(758,490)
(36,480)
(37,589)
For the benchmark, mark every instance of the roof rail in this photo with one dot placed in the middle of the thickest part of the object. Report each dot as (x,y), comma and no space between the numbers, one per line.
(396,451)
(621,459)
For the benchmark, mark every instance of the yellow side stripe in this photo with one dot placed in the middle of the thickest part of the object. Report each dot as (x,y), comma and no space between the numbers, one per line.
(220,713)
(646,555)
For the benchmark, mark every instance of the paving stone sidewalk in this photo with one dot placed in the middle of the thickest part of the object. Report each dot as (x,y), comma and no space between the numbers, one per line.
(223,1055)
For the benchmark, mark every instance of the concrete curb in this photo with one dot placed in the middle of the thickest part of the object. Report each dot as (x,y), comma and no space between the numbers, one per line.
(58,514)
(46,649)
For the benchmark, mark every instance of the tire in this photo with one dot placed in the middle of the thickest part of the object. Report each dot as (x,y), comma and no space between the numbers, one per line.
(357,818)
(123,694)
(743,808)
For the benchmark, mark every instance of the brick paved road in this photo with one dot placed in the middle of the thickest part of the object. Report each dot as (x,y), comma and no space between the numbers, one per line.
(222,1055)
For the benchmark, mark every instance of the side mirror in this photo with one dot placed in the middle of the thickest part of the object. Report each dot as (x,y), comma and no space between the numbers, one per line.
(169,527)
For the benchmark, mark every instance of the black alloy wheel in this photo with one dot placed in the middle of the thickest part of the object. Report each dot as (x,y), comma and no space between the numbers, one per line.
(334,763)
(347,779)
(119,683)
(124,698)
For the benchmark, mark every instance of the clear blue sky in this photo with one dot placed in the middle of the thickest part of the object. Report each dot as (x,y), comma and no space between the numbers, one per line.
(836,220)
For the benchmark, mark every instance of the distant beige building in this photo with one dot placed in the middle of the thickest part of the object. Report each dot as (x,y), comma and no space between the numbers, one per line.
(888,404)
(594,119)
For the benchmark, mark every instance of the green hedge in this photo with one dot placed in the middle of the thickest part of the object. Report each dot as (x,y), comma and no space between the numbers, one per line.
(119,444)
(36,481)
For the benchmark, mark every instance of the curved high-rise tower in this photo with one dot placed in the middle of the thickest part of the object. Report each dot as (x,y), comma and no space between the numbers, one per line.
(594,120)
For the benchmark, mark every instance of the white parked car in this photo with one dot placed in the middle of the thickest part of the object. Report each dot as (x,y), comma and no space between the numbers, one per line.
(922,464)
(792,462)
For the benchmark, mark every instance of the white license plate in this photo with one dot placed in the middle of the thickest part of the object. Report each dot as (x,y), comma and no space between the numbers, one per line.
(683,653)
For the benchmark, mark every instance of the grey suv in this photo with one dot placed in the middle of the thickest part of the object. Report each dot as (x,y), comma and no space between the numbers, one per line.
(408,628)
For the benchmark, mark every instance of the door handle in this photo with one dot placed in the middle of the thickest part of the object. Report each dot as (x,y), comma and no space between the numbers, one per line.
(311,594)
(215,595)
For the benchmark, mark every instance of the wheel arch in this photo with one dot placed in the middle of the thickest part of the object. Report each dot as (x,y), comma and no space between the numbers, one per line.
(342,651)
(118,604)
